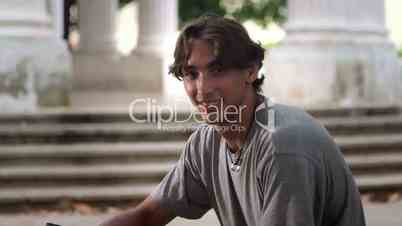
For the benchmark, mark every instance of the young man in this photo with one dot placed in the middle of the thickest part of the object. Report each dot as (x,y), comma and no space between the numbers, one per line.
(253,162)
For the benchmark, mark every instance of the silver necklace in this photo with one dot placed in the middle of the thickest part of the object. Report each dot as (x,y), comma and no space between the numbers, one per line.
(235,165)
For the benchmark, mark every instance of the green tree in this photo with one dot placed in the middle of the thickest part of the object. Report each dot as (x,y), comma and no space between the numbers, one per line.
(261,11)
(190,9)
(124,2)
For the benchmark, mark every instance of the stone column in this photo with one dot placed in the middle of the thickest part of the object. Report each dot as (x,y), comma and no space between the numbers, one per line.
(157,25)
(96,60)
(335,53)
(34,61)
(57,12)
(97,25)
(103,73)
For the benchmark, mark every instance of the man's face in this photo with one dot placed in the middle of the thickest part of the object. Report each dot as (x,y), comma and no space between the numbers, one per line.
(218,94)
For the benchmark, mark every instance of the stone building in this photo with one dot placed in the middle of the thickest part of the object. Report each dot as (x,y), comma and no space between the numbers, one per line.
(35,65)
(335,53)
(37,71)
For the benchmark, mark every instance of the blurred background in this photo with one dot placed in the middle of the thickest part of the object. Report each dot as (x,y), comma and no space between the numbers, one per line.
(71,69)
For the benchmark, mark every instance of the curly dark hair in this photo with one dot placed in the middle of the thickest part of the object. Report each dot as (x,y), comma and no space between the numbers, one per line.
(232,46)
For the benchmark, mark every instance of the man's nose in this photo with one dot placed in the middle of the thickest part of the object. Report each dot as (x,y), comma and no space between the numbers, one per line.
(204,86)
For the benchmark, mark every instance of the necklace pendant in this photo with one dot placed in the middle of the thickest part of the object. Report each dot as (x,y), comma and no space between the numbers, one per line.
(235,168)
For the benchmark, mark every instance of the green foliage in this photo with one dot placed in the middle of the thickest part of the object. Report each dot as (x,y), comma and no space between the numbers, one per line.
(400,53)
(261,11)
(190,9)
(269,46)
(124,2)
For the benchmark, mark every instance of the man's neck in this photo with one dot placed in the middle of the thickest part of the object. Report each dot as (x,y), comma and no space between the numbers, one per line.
(237,138)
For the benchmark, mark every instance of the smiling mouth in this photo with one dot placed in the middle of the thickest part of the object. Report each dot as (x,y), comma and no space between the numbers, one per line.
(209,104)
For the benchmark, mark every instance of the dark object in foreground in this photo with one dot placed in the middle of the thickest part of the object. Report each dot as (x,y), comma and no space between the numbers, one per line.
(51,224)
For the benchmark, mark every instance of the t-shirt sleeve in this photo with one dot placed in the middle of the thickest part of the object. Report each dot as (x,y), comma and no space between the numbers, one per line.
(288,186)
(182,192)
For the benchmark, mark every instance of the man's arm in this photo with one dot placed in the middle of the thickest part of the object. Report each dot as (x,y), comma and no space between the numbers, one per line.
(290,196)
(148,212)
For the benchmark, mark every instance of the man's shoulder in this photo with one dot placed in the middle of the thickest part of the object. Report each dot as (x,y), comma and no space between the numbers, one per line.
(202,138)
(290,118)
(297,131)
(288,114)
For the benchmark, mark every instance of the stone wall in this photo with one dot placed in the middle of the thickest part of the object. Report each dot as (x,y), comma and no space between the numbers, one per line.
(35,65)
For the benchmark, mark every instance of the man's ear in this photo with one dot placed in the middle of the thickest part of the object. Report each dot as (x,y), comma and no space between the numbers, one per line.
(252,73)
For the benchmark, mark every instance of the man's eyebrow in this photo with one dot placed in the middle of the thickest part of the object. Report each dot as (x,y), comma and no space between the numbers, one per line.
(212,63)
(189,67)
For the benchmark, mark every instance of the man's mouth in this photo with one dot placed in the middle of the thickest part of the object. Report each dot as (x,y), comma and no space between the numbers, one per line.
(207,102)
(209,105)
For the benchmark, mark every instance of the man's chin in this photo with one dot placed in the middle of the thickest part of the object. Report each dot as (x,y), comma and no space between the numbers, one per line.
(217,120)
(214,122)
(211,122)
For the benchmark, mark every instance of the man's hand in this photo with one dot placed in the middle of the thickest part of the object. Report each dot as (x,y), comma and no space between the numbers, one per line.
(149,212)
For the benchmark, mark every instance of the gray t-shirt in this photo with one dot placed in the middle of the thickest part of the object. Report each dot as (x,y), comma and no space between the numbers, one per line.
(291,175)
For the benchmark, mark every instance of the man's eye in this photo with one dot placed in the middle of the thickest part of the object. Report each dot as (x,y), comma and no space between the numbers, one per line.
(191,75)
(215,71)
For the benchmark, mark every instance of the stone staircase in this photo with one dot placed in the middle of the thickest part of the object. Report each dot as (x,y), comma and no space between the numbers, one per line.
(105,158)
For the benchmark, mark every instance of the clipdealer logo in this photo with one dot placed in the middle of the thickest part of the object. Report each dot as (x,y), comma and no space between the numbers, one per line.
(168,117)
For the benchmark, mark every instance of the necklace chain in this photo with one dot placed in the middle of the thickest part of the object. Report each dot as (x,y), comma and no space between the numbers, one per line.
(235,166)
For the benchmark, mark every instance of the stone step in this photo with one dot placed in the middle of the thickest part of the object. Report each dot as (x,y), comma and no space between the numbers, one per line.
(100,151)
(105,157)
(375,163)
(363,125)
(91,116)
(138,191)
(86,132)
(129,132)
(36,195)
(371,143)
(65,117)
(103,116)
(386,181)
(35,175)
(89,153)
(355,147)
(373,110)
